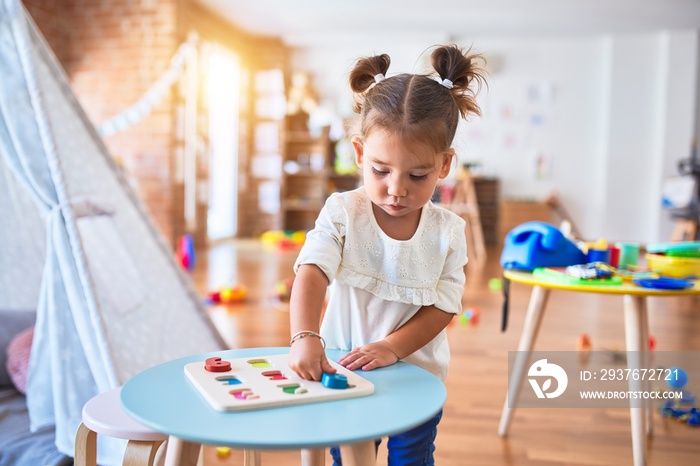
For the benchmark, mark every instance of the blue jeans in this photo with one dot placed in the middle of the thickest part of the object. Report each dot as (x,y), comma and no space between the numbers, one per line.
(414,447)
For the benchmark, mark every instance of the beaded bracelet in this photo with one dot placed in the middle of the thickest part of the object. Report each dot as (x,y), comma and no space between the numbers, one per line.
(306,333)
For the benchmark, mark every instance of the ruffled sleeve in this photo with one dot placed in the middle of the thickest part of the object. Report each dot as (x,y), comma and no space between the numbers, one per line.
(450,286)
(324,244)
(389,291)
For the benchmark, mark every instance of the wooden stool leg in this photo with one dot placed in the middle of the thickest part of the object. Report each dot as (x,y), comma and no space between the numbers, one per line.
(85,447)
(251,457)
(359,454)
(316,457)
(139,453)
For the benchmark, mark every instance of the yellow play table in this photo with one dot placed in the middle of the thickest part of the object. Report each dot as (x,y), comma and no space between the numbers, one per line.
(636,336)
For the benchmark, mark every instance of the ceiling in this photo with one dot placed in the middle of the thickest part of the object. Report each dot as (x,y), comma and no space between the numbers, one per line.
(303,23)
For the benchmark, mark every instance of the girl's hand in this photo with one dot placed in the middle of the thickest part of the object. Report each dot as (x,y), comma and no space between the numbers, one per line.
(308,360)
(368,357)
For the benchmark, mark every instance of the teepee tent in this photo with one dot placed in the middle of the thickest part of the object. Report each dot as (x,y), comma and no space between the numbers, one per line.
(77,245)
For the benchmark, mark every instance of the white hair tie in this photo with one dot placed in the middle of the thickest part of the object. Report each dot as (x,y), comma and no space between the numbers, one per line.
(447,83)
(379,78)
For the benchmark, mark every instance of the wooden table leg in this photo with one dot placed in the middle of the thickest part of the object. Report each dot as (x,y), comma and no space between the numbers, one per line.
(637,338)
(316,457)
(251,457)
(181,452)
(533,319)
(359,454)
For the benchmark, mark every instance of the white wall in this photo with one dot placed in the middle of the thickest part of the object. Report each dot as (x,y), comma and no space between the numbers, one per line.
(330,61)
(609,115)
(651,116)
(542,103)
(680,85)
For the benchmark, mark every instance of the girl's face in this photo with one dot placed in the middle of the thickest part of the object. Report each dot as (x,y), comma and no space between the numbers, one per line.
(399,180)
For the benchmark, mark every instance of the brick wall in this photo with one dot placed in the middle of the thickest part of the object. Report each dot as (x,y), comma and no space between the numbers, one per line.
(113,50)
(53,25)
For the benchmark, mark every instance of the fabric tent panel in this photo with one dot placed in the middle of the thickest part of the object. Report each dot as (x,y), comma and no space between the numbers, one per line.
(112,300)
(22,245)
(161,319)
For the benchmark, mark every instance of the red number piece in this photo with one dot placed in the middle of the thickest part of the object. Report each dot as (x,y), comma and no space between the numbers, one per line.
(217,365)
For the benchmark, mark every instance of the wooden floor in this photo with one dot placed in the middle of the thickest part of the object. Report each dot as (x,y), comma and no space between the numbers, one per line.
(478,376)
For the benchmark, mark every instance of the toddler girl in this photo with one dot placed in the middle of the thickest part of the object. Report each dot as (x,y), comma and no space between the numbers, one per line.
(394,261)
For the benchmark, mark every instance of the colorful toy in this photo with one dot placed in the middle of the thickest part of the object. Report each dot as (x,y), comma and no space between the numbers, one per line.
(267,381)
(684,409)
(674,266)
(470,316)
(598,255)
(185,252)
(539,244)
(678,378)
(283,289)
(590,271)
(584,347)
(663,283)
(334,381)
(285,240)
(229,295)
(495,284)
(566,275)
(584,343)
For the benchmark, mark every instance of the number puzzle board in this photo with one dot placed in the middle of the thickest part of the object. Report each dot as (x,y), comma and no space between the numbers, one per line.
(266,382)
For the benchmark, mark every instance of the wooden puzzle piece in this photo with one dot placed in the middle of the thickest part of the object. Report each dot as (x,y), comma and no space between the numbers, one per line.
(229,380)
(259,363)
(335,381)
(274,375)
(244,394)
(217,365)
(293,388)
(265,381)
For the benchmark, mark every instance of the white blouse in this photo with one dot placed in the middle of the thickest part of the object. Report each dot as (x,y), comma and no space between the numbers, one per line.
(379,283)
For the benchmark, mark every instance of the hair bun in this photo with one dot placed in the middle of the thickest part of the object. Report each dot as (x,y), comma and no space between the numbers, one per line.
(365,74)
(461,69)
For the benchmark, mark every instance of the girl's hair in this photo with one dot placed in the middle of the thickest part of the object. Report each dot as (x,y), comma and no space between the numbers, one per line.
(420,108)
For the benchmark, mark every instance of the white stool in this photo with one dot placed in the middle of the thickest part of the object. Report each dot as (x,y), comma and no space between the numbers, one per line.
(103,415)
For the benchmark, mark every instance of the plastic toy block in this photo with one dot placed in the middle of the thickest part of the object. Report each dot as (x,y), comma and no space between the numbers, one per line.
(335,381)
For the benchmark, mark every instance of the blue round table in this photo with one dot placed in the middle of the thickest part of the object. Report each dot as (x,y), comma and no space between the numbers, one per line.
(163,399)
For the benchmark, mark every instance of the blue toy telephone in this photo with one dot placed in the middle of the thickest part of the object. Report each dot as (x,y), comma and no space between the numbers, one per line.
(536,244)
(539,244)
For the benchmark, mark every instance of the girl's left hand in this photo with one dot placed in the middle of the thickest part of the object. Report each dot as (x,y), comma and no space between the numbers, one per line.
(368,357)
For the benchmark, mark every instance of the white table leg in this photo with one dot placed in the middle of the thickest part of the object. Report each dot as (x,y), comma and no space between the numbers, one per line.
(359,454)
(315,457)
(637,338)
(644,337)
(181,452)
(533,319)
